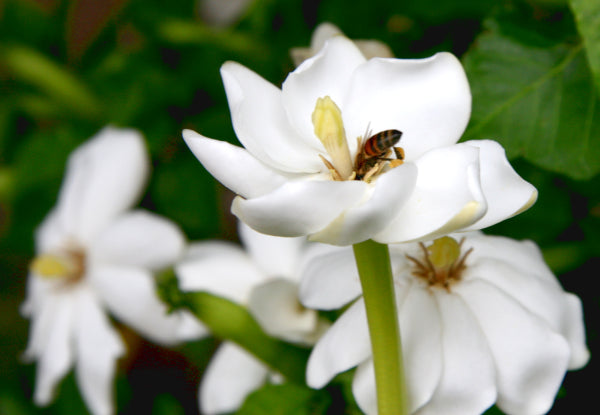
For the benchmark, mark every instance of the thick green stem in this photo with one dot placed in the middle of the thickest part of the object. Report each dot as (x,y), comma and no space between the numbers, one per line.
(373,261)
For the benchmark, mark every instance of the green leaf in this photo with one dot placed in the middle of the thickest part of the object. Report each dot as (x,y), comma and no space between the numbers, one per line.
(587,16)
(285,399)
(537,99)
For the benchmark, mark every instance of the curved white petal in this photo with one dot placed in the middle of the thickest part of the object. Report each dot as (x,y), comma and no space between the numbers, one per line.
(421,335)
(98,347)
(447,196)
(546,301)
(363,387)
(359,223)
(230,377)
(327,73)
(261,123)
(50,343)
(275,306)
(50,235)
(299,208)
(531,359)
(506,193)
(233,166)
(330,280)
(219,268)
(468,382)
(139,239)
(343,346)
(275,256)
(104,177)
(130,294)
(575,332)
(429,100)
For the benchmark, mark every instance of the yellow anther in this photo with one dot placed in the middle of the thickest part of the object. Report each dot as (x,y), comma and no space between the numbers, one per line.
(444,252)
(51,266)
(329,128)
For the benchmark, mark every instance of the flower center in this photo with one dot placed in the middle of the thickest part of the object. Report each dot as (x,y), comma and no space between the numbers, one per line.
(442,263)
(68,265)
(372,156)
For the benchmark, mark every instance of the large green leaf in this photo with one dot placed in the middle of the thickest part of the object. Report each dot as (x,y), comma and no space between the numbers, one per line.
(285,399)
(587,16)
(537,99)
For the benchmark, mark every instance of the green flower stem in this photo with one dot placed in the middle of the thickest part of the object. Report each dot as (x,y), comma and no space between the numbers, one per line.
(373,261)
(230,321)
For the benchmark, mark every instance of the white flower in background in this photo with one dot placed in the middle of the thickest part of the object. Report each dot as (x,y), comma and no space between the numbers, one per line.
(264,276)
(303,170)
(222,12)
(325,31)
(94,256)
(483,321)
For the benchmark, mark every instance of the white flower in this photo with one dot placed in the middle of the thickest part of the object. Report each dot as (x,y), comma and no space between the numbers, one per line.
(488,324)
(298,173)
(92,256)
(263,277)
(325,31)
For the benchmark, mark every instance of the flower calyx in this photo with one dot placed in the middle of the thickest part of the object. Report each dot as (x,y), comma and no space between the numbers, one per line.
(372,156)
(442,263)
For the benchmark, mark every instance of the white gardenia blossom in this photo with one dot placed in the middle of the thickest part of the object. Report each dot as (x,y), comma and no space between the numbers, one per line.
(481,322)
(303,170)
(263,276)
(94,256)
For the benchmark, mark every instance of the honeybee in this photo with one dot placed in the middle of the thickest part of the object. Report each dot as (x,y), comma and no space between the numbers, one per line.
(374,150)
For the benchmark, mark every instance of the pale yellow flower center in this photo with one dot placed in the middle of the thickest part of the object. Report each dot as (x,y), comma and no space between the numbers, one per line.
(68,265)
(441,264)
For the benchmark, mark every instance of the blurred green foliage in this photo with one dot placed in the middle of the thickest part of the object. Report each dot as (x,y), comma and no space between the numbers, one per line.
(67,68)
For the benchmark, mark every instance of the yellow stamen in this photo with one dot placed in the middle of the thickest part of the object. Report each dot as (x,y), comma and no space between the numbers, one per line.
(329,128)
(444,252)
(51,266)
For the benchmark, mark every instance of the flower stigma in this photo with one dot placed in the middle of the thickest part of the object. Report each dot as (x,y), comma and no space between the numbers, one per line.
(68,266)
(442,263)
(372,156)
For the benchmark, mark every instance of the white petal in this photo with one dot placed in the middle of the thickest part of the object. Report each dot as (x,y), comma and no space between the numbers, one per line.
(219,268)
(105,176)
(327,73)
(575,332)
(447,196)
(275,306)
(468,382)
(50,235)
(530,358)
(421,335)
(363,387)
(261,124)
(233,166)
(98,348)
(330,280)
(230,377)
(51,344)
(506,193)
(139,239)
(130,294)
(345,345)
(429,100)
(359,223)
(299,208)
(275,256)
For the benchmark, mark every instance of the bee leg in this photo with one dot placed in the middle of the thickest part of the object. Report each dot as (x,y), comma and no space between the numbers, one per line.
(399,151)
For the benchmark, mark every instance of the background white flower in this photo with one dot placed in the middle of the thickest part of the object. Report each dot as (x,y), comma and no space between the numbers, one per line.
(93,256)
(286,188)
(498,329)
(369,48)
(263,276)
